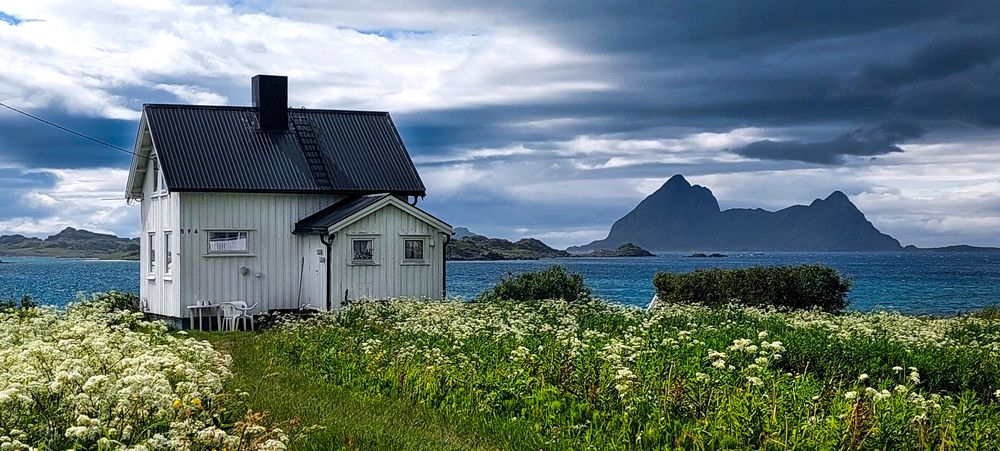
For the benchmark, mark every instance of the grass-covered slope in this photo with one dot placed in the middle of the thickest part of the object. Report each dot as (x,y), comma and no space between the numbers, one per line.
(593,376)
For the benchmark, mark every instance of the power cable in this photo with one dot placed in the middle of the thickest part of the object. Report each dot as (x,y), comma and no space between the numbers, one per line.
(71,131)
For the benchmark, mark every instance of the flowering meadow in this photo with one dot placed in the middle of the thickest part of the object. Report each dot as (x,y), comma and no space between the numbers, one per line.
(91,377)
(590,375)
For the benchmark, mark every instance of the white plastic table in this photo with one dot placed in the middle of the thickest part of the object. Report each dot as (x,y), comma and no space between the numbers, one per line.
(200,309)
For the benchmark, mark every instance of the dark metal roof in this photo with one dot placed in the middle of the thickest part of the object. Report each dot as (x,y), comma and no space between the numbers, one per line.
(320,221)
(220,148)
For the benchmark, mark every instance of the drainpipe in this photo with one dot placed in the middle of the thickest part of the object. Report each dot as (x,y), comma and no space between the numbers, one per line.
(329,260)
(444,266)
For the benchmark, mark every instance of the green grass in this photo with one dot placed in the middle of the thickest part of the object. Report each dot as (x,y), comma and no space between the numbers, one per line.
(590,375)
(557,375)
(349,419)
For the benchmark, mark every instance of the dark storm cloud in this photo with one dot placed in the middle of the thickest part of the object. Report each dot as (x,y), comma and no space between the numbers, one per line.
(860,142)
(17,182)
(939,59)
(720,65)
(25,142)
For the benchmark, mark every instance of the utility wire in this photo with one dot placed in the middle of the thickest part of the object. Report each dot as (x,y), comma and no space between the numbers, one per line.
(71,131)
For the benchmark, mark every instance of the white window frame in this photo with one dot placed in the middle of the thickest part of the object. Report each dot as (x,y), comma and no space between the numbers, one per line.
(423,250)
(208,252)
(357,261)
(151,245)
(159,184)
(168,258)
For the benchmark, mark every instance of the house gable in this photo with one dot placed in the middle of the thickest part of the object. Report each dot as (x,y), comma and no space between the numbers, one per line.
(342,214)
(141,155)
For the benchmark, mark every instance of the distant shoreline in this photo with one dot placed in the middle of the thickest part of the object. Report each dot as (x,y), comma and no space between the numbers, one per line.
(731,253)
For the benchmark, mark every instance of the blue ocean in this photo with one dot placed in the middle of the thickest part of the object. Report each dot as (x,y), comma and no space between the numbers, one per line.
(910,282)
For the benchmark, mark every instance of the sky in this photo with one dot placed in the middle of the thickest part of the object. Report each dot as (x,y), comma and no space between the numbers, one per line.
(545,119)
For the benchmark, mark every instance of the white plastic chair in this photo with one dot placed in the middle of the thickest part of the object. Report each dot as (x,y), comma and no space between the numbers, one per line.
(245,313)
(235,312)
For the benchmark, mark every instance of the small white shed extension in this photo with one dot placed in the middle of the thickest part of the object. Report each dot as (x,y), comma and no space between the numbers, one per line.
(280,207)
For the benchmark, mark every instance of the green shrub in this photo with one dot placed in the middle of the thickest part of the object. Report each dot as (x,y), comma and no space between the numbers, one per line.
(11,305)
(797,287)
(553,282)
(128,302)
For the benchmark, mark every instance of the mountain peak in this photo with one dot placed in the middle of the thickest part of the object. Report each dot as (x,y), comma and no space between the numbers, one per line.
(680,216)
(838,196)
(677,179)
(835,199)
(70,233)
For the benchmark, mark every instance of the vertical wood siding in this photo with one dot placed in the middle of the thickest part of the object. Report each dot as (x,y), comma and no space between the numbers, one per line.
(159,291)
(389,276)
(276,255)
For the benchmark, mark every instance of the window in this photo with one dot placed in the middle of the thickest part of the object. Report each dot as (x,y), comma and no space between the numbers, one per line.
(168,256)
(156,175)
(364,250)
(413,249)
(228,242)
(151,245)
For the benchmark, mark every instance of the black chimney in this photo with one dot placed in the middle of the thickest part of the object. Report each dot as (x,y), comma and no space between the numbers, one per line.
(270,98)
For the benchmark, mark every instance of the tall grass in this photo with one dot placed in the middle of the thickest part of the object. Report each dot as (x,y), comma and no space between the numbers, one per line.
(591,375)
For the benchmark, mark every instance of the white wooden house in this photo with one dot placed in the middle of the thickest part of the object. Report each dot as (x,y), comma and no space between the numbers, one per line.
(280,207)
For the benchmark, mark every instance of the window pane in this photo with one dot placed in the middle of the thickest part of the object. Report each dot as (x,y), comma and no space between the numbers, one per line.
(151,245)
(227,242)
(413,249)
(364,249)
(156,176)
(168,256)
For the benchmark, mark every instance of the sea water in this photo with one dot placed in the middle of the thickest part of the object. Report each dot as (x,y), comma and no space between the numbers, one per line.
(911,282)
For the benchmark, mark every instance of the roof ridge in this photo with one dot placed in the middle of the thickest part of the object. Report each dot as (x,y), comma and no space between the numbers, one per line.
(240,107)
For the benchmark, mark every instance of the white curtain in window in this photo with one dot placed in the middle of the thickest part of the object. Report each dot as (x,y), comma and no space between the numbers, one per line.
(227,242)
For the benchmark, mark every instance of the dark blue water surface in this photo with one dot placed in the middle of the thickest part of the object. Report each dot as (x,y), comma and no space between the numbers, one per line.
(924,282)
(912,282)
(57,281)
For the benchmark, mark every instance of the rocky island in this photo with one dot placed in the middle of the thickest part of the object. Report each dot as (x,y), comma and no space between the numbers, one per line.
(684,217)
(73,243)
(625,250)
(471,247)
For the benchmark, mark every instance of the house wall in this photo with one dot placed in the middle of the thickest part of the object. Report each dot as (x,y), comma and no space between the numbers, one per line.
(158,290)
(277,258)
(389,276)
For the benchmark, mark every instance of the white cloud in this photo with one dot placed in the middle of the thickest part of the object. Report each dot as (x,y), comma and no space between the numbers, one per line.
(84,56)
(193,94)
(91,199)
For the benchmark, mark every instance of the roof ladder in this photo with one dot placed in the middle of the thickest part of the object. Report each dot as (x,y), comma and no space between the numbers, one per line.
(310,149)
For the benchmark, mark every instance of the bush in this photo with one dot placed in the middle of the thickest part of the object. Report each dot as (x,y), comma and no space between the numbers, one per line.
(553,282)
(10,305)
(118,301)
(797,287)
(23,308)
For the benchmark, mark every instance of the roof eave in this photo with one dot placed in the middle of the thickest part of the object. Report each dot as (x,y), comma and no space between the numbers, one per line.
(133,187)
(283,191)
(411,209)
